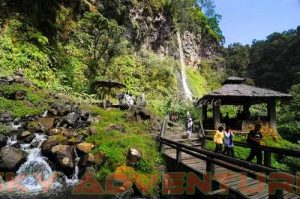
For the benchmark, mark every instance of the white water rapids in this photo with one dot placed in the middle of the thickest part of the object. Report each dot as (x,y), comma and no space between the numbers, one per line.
(36,174)
(187,92)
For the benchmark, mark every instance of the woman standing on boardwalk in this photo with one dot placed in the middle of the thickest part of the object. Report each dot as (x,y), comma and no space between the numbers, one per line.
(228,142)
(218,139)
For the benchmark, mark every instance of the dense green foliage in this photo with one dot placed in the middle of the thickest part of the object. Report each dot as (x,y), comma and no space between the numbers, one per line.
(278,59)
(188,15)
(289,116)
(237,59)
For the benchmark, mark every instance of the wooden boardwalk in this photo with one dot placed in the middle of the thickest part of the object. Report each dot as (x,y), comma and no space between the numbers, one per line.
(229,179)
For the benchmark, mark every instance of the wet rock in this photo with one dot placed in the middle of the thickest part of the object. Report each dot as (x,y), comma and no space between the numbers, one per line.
(20,95)
(53,131)
(25,134)
(17,145)
(87,160)
(29,138)
(72,118)
(116,127)
(46,123)
(3,140)
(85,147)
(48,144)
(138,113)
(34,144)
(99,158)
(11,158)
(133,156)
(64,155)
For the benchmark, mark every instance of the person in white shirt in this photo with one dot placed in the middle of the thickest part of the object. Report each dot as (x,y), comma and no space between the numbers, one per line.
(228,142)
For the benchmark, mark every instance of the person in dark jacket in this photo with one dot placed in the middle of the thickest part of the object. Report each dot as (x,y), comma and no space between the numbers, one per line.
(254,138)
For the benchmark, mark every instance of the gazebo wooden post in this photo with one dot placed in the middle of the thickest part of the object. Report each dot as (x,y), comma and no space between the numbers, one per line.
(246,111)
(217,116)
(204,112)
(271,106)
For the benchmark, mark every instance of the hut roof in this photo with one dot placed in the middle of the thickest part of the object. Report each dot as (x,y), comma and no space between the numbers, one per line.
(234,80)
(236,92)
(242,90)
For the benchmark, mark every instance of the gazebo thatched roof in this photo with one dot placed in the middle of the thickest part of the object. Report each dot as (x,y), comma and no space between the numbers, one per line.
(233,91)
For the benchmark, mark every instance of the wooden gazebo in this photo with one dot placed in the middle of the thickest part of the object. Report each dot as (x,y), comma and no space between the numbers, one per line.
(234,92)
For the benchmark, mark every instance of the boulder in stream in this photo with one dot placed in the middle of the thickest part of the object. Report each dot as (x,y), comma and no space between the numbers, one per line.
(3,140)
(85,147)
(46,123)
(11,158)
(48,144)
(65,156)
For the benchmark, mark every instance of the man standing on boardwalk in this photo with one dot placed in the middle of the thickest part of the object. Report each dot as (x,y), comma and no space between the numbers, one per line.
(254,138)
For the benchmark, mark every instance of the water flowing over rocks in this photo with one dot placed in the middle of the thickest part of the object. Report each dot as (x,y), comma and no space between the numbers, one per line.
(50,146)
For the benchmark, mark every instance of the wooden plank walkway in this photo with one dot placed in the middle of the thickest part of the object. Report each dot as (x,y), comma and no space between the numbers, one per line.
(231,180)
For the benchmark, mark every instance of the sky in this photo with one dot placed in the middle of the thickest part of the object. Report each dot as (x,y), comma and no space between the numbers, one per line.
(245,20)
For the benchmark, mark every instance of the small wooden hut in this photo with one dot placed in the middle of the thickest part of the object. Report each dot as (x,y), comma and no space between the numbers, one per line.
(234,92)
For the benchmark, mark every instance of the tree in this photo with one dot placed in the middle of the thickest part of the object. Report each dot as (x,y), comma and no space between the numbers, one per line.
(102,40)
(275,62)
(237,59)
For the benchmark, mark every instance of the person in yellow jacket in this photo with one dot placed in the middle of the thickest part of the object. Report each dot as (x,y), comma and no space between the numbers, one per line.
(218,139)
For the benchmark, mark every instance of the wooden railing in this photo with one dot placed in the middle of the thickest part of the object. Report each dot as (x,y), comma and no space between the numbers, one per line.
(230,163)
(268,150)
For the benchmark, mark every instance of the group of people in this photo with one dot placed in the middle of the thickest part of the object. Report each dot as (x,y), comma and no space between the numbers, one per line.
(225,138)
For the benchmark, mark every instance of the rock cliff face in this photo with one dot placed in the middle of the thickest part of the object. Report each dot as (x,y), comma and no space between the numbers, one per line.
(157,32)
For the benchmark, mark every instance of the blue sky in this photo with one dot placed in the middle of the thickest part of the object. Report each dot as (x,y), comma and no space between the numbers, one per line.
(245,20)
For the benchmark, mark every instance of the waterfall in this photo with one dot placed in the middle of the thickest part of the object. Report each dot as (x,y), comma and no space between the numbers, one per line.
(186,89)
